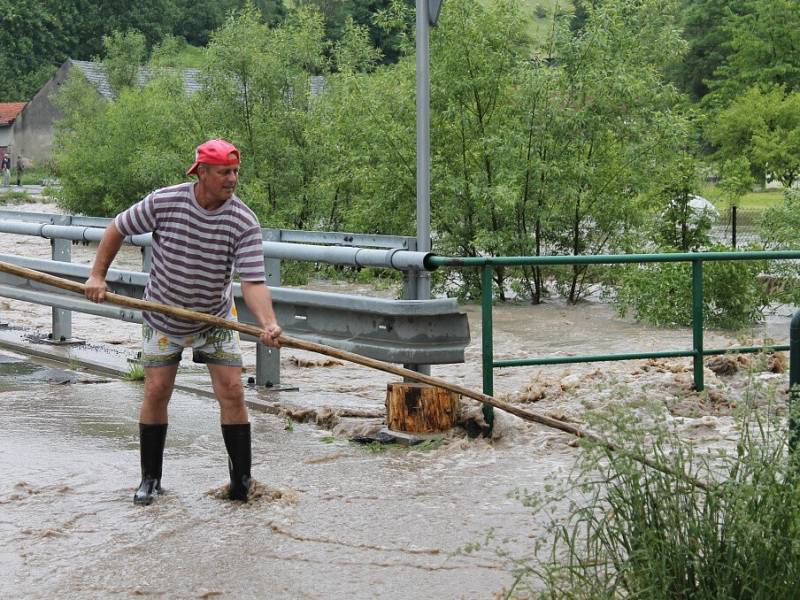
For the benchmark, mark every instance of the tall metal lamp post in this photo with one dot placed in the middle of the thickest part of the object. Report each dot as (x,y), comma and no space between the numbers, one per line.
(427,15)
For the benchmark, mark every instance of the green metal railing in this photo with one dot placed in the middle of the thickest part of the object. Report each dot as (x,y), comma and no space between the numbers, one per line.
(697,352)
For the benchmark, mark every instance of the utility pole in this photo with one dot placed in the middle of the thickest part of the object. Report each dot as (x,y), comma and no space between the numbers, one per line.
(423,145)
(427,15)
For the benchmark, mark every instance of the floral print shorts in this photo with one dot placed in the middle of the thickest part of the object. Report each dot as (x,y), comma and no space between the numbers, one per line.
(217,346)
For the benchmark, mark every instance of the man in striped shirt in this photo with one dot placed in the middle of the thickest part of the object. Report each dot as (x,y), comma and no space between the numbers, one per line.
(202,232)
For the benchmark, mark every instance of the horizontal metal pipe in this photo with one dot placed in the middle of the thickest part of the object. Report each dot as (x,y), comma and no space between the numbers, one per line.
(606,259)
(80,221)
(348,255)
(66,232)
(395,258)
(383,306)
(746,350)
(74,303)
(561,360)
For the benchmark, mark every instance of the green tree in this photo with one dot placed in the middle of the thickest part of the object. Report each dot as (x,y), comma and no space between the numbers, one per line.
(257,92)
(735,179)
(680,226)
(110,154)
(364,13)
(27,36)
(764,127)
(125,53)
(199,18)
(365,123)
(705,29)
(36,36)
(611,125)
(764,44)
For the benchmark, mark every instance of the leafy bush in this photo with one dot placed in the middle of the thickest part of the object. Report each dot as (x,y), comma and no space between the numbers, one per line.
(780,225)
(661,293)
(110,155)
(14,196)
(643,533)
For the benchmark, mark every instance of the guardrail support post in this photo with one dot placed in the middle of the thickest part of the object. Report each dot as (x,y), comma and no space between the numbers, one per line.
(697,323)
(268,360)
(487,346)
(147,258)
(61,319)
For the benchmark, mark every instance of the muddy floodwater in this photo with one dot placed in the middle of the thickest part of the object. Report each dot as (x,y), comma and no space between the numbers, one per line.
(332,518)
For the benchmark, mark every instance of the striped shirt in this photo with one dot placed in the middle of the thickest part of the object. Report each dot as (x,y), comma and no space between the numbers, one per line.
(194,253)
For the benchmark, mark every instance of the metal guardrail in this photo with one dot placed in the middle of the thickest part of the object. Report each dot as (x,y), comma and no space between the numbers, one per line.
(410,332)
(396,331)
(698,352)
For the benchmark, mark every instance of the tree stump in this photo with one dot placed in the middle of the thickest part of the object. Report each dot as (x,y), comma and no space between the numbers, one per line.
(420,408)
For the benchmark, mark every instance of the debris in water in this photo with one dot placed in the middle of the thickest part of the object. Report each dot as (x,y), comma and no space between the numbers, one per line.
(725,364)
(259,492)
(326,458)
(380,437)
(323,362)
(777,363)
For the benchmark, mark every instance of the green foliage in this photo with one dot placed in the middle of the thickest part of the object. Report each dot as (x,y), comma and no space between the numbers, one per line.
(679,225)
(735,180)
(340,15)
(174,52)
(200,18)
(588,125)
(661,293)
(779,229)
(14,196)
(764,127)
(101,170)
(124,55)
(135,372)
(366,122)
(36,36)
(27,39)
(640,532)
(764,47)
(708,38)
(257,93)
(780,225)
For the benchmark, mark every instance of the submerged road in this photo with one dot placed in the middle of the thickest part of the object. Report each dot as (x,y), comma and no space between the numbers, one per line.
(334,519)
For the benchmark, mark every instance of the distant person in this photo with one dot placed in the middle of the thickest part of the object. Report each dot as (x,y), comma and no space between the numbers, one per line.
(202,233)
(20,170)
(5,167)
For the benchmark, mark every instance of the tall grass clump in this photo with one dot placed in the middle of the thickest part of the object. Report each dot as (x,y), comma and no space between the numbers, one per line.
(636,532)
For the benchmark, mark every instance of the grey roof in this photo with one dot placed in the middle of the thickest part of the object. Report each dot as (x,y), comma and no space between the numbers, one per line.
(95,73)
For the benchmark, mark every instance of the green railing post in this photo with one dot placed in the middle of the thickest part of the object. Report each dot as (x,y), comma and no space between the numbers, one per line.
(697,323)
(794,379)
(487,346)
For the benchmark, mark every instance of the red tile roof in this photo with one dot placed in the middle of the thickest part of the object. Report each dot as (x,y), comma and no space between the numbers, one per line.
(9,111)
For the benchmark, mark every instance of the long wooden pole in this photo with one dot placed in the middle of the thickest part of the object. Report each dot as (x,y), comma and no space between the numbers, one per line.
(292,342)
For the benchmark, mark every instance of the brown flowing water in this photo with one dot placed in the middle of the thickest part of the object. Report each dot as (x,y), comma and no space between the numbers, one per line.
(332,519)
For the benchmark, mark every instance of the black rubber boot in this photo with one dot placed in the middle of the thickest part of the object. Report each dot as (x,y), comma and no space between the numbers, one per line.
(151,453)
(237,443)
